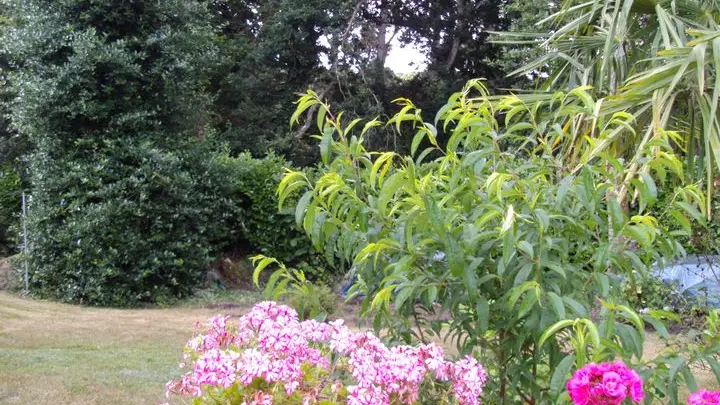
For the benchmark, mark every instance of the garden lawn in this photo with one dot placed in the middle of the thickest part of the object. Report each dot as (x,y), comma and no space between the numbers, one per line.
(60,354)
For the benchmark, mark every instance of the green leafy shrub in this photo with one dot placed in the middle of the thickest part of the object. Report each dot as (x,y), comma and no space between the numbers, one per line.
(111,96)
(705,238)
(692,309)
(314,301)
(10,194)
(495,228)
(651,292)
(310,300)
(268,230)
(116,234)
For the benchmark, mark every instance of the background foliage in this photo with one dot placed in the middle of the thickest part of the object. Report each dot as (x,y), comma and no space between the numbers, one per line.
(655,60)
(96,97)
(266,229)
(339,49)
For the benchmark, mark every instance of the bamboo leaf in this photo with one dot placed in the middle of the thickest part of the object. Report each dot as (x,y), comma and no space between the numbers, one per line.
(658,325)
(557,305)
(301,206)
(263,263)
(483,314)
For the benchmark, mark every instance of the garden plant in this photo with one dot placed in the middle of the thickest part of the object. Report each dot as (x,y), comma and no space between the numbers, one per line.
(496,240)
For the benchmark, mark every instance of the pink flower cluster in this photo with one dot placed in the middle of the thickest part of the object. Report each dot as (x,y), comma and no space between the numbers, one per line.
(704,397)
(605,384)
(315,362)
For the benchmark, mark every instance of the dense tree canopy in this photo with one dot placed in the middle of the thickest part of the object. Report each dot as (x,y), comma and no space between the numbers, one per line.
(269,51)
(339,49)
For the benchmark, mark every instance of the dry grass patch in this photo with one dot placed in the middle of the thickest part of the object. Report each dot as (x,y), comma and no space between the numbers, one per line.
(60,354)
(704,377)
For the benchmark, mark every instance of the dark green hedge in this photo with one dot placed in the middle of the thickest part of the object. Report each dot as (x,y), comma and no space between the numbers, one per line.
(140,226)
(132,199)
(267,230)
(10,193)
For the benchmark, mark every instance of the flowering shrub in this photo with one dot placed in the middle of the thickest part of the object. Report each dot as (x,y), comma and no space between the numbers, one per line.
(273,358)
(605,384)
(704,397)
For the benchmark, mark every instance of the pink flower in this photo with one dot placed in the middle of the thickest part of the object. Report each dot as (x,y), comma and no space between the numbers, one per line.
(270,352)
(316,331)
(605,384)
(367,396)
(613,386)
(468,378)
(704,397)
(636,389)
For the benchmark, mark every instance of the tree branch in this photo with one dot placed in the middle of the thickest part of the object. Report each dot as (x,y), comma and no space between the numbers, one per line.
(343,40)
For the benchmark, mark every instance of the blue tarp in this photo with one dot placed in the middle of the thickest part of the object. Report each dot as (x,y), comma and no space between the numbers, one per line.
(697,275)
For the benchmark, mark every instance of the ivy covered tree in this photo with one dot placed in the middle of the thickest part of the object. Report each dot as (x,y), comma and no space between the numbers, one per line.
(124,206)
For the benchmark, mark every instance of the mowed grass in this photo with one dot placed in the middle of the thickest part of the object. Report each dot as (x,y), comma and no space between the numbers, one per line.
(58,354)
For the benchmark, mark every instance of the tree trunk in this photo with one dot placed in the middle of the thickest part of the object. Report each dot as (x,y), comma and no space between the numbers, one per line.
(381,48)
(456,40)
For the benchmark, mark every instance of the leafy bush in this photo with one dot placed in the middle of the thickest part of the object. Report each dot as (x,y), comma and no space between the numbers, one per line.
(119,233)
(268,230)
(495,228)
(10,193)
(318,301)
(649,292)
(111,96)
(705,238)
(310,300)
